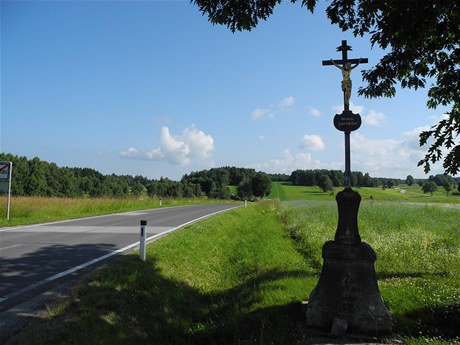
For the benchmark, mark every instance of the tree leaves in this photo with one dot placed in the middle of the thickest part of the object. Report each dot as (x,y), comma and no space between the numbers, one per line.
(422,40)
(242,15)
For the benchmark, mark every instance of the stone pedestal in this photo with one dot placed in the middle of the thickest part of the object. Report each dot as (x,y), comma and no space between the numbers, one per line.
(347,296)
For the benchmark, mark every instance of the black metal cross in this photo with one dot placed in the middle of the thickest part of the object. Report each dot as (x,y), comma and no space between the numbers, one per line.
(347,121)
(346,66)
(344,48)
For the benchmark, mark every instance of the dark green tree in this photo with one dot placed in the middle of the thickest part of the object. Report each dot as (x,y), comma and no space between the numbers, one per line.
(391,183)
(368,181)
(67,183)
(429,187)
(421,40)
(447,187)
(337,178)
(261,185)
(36,184)
(137,188)
(244,189)
(409,180)
(325,183)
(441,179)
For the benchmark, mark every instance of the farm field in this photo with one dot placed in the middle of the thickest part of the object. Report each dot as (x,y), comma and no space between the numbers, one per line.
(240,277)
(288,192)
(33,210)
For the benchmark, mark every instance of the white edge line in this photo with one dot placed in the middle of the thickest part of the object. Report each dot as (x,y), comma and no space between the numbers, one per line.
(104,257)
(18,227)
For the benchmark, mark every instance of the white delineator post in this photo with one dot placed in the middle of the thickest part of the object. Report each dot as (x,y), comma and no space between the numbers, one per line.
(142,242)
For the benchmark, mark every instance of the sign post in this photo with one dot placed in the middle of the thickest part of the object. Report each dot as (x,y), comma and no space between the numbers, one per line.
(143,239)
(5,183)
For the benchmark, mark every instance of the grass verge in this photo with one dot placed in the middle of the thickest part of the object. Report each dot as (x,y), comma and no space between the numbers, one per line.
(239,277)
(235,278)
(33,210)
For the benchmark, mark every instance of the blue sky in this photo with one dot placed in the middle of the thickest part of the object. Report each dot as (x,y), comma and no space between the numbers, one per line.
(152,88)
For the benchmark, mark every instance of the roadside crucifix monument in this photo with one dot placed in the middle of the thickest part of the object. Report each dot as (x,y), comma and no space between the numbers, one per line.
(347,296)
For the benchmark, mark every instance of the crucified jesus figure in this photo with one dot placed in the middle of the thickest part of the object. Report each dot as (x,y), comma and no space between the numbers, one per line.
(346,82)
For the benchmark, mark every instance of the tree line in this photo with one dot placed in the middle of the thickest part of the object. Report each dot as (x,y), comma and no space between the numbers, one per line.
(249,183)
(35,177)
(328,179)
(331,178)
(445,181)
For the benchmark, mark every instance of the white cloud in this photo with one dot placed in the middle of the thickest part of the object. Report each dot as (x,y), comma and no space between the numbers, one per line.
(312,143)
(193,145)
(287,102)
(200,144)
(271,111)
(146,155)
(412,137)
(387,157)
(288,163)
(379,157)
(175,150)
(261,113)
(374,118)
(314,112)
(371,118)
(261,138)
(359,109)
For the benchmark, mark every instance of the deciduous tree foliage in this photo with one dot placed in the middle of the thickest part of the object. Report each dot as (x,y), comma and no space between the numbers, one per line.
(325,183)
(421,39)
(429,187)
(35,177)
(409,180)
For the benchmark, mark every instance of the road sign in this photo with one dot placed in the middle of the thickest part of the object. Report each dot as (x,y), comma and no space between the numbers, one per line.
(4,176)
(5,182)
(4,170)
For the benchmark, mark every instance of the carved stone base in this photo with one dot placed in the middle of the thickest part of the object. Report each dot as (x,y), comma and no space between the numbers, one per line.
(347,292)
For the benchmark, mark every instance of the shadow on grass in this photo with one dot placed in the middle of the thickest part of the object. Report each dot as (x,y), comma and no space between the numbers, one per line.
(134,303)
(313,192)
(441,322)
(434,322)
(396,275)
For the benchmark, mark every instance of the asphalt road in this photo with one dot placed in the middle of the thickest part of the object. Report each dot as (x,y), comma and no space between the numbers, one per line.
(36,258)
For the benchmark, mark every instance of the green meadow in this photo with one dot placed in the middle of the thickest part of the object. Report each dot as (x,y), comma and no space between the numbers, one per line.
(33,210)
(403,193)
(240,277)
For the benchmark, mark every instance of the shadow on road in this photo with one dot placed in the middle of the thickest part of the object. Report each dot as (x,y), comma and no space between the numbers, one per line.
(19,273)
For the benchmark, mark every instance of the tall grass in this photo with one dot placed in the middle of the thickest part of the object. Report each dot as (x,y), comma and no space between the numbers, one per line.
(235,278)
(31,210)
(239,277)
(418,266)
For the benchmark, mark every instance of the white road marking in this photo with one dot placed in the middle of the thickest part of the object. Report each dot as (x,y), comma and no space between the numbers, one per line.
(12,246)
(101,258)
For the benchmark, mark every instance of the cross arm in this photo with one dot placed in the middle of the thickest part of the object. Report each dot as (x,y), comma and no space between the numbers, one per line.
(341,62)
